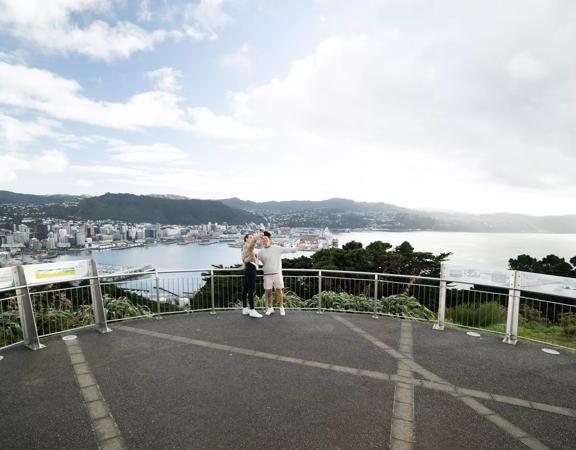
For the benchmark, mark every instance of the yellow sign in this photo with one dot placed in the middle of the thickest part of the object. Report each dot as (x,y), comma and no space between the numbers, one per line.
(55,273)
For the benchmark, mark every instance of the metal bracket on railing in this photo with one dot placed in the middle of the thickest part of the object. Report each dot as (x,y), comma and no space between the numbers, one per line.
(158,313)
(97,301)
(439,325)
(513,311)
(212,291)
(319,292)
(375,315)
(27,320)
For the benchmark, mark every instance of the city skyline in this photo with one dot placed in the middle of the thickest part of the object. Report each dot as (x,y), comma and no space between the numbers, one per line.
(425,105)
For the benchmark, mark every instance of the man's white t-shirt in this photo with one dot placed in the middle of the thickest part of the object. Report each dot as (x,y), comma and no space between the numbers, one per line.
(271,257)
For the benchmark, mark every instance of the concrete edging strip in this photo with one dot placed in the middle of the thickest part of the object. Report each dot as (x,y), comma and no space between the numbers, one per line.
(104,426)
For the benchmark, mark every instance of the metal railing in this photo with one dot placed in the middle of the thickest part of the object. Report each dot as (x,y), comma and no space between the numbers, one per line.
(98,299)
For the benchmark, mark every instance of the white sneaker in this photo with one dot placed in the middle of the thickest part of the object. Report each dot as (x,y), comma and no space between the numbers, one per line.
(282,312)
(255,314)
(245,311)
(269,311)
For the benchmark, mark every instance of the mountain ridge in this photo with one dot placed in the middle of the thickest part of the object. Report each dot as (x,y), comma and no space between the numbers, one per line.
(338,213)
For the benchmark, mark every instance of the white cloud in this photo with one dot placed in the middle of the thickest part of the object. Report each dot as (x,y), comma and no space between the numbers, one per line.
(373,97)
(209,15)
(524,67)
(103,170)
(51,161)
(14,132)
(144,14)
(85,183)
(61,98)
(165,79)
(239,61)
(146,154)
(193,33)
(49,26)
(208,124)
(10,165)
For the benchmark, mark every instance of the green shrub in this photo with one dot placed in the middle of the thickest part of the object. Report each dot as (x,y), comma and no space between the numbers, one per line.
(52,320)
(84,316)
(341,301)
(119,308)
(531,316)
(10,328)
(291,300)
(568,323)
(400,305)
(405,306)
(477,315)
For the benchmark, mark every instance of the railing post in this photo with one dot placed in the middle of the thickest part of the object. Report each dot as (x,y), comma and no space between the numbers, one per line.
(439,325)
(375,315)
(513,311)
(27,320)
(158,316)
(97,302)
(319,292)
(212,291)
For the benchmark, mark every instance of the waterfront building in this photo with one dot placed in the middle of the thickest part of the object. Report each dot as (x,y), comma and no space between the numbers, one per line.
(51,242)
(80,239)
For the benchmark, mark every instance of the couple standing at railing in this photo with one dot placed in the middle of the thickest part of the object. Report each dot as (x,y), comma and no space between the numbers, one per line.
(270,258)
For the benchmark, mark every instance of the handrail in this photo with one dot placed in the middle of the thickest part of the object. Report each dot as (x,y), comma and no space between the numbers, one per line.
(373,285)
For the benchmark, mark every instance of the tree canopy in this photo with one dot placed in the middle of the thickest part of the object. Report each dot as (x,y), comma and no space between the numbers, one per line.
(550,265)
(379,257)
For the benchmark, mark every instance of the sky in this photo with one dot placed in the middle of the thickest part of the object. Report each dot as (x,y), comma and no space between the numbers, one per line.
(441,105)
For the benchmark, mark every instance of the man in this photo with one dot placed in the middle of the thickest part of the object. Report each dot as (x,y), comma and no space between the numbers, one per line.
(271,257)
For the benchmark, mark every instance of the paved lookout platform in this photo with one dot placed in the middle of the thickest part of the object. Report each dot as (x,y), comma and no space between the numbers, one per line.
(307,380)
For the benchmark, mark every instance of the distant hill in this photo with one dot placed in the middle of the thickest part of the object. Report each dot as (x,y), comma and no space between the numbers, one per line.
(340,204)
(335,213)
(7,197)
(343,213)
(505,223)
(142,208)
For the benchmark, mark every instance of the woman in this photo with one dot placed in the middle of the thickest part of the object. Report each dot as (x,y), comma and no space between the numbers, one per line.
(250,263)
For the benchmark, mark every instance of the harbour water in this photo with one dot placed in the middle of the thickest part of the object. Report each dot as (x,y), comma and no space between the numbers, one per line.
(474,249)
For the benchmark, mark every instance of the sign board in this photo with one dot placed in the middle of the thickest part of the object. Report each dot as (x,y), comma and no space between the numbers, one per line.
(482,277)
(548,284)
(7,278)
(56,272)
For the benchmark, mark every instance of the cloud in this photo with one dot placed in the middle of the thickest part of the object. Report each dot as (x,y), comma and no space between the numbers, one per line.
(524,67)
(146,154)
(99,169)
(422,94)
(61,98)
(143,13)
(14,132)
(85,183)
(208,124)
(209,16)
(240,61)
(192,33)
(50,161)
(10,165)
(165,79)
(49,25)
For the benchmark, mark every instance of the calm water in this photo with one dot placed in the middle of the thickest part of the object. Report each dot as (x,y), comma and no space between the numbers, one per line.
(476,249)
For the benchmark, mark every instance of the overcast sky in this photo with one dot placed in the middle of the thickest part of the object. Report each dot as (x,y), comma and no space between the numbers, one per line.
(456,105)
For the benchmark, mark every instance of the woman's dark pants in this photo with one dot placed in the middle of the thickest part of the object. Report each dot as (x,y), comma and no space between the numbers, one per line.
(249,285)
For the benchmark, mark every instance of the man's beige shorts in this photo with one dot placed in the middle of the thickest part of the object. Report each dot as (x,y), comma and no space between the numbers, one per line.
(274,279)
